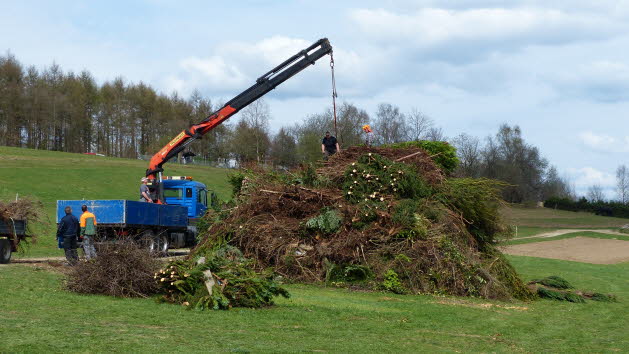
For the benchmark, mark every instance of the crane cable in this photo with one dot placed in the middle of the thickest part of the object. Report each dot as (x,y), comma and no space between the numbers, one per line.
(334,95)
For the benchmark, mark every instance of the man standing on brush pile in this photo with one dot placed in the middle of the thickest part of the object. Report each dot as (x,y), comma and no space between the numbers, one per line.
(69,231)
(329,146)
(88,231)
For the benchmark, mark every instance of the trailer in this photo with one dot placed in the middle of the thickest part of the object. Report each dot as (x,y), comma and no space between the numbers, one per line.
(158,226)
(11,233)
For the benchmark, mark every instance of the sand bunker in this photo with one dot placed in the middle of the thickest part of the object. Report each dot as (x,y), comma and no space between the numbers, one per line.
(578,249)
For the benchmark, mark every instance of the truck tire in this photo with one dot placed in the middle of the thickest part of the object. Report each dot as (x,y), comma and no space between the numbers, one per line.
(5,251)
(163,243)
(156,244)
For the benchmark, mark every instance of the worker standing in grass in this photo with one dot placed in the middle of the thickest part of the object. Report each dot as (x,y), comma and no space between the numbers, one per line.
(69,231)
(88,231)
(144,191)
(329,146)
(369,136)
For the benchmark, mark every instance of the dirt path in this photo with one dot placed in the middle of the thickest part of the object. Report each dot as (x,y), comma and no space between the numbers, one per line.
(172,255)
(578,249)
(569,231)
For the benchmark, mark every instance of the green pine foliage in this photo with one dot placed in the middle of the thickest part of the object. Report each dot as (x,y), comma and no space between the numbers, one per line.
(375,178)
(326,223)
(442,153)
(236,284)
(555,281)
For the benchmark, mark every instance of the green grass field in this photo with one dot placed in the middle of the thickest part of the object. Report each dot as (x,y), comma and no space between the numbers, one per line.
(37,315)
(49,176)
(550,219)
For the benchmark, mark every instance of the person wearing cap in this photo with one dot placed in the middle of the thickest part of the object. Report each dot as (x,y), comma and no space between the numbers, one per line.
(329,146)
(87,222)
(144,191)
(369,137)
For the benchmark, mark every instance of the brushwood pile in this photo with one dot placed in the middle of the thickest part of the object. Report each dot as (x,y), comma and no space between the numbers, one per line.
(26,209)
(388,218)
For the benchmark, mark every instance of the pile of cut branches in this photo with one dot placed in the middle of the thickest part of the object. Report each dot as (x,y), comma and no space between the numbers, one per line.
(219,280)
(376,218)
(559,289)
(122,269)
(26,209)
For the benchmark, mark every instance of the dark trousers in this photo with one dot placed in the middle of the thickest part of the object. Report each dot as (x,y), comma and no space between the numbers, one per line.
(69,247)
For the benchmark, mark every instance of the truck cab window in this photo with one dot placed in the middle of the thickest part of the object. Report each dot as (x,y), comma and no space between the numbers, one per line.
(188,192)
(173,193)
(202,197)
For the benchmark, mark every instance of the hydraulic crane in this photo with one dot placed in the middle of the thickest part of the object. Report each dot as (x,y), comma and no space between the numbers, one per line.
(264,84)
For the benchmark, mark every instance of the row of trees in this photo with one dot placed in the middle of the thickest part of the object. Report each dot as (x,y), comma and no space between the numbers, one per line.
(53,110)
(507,157)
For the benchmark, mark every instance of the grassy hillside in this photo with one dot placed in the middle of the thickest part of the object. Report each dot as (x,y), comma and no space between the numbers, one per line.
(554,219)
(49,176)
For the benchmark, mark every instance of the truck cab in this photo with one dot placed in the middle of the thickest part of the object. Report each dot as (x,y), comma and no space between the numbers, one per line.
(182,190)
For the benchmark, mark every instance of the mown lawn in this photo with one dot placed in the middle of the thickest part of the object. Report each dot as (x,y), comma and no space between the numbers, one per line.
(50,175)
(37,316)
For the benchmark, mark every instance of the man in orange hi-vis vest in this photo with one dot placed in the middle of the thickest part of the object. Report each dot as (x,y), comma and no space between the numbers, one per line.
(88,231)
(369,132)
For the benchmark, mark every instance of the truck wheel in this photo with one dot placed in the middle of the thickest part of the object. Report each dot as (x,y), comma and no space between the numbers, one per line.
(156,244)
(163,242)
(5,251)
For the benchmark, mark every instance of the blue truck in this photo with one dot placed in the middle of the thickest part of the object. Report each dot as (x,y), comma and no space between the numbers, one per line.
(158,226)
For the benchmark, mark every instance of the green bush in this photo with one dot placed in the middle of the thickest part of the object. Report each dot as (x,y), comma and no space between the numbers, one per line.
(392,283)
(442,153)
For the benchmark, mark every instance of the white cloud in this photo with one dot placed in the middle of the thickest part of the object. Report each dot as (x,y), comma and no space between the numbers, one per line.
(589,176)
(234,66)
(604,143)
(434,26)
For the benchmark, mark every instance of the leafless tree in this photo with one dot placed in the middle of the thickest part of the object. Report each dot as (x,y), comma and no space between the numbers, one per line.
(469,154)
(435,134)
(419,124)
(595,193)
(622,183)
(390,124)
(256,116)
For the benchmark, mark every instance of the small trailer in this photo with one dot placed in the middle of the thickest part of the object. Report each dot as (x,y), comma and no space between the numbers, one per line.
(11,233)
(157,226)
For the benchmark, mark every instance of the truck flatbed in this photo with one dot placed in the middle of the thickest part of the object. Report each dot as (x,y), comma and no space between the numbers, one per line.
(125,213)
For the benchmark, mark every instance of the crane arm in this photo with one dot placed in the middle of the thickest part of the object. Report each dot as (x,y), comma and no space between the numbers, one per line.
(263,85)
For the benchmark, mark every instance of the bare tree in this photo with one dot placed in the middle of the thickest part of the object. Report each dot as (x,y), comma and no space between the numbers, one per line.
(622,183)
(390,125)
(469,154)
(435,134)
(595,193)
(419,124)
(256,116)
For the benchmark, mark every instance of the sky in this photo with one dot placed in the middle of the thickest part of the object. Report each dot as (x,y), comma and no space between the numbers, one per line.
(558,69)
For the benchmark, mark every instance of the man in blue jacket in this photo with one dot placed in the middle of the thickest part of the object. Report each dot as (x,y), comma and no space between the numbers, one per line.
(69,231)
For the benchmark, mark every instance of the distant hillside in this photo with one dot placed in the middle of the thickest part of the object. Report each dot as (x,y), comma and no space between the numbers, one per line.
(550,218)
(50,175)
